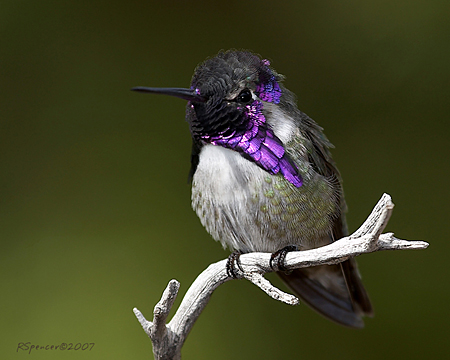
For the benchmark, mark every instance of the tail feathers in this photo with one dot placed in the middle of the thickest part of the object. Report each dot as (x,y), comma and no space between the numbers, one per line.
(358,293)
(335,291)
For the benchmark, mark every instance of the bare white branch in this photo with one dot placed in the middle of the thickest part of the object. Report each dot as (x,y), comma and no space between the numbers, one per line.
(168,339)
(259,280)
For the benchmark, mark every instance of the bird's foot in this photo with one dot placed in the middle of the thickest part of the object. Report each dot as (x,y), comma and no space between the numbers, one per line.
(277,259)
(233,264)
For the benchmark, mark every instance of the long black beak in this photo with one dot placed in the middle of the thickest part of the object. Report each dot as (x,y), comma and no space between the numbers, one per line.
(186,94)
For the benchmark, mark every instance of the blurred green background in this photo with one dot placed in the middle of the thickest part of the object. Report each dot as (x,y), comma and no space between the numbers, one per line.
(95,213)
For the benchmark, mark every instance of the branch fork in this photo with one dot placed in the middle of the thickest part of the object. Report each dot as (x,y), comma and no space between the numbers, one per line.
(168,338)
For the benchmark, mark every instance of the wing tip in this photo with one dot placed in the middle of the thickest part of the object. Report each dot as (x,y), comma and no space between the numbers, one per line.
(339,310)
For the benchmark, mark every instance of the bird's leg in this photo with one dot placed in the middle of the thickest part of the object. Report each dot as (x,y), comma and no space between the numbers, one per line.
(277,259)
(233,263)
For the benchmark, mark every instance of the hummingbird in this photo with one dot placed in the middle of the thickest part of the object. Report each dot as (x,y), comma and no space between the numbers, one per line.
(263,179)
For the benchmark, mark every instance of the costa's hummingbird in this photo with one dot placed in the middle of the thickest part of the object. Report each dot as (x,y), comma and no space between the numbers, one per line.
(263,178)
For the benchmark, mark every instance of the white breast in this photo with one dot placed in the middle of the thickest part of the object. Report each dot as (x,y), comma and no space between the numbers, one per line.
(224,173)
(222,196)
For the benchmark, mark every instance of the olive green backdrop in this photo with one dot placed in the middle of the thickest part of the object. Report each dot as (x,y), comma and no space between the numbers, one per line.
(95,214)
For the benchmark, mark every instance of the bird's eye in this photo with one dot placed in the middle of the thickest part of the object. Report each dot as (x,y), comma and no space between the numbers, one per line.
(244,96)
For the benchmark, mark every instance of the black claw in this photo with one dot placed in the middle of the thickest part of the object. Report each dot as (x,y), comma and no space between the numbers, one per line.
(233,263)
(277,259)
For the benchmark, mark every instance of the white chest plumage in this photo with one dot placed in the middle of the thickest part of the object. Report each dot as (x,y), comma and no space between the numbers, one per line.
(246,208)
